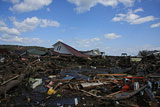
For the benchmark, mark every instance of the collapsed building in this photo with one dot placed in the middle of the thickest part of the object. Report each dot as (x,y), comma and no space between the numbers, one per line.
(61,48)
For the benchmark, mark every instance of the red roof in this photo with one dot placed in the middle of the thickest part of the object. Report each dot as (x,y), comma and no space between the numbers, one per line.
(72,50)
(57,53)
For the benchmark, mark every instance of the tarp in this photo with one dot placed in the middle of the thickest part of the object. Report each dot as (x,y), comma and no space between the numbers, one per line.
(36,52)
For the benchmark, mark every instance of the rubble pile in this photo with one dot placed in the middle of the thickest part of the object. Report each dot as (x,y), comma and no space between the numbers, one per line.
(75,81)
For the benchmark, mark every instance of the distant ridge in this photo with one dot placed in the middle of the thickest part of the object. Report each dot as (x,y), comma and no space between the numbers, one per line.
(20,47)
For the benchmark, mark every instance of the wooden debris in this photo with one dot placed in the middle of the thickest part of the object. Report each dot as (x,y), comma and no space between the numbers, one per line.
(70,86)
(59,84)
(10,79)
(114,93)
(112,74)
(87,84)
(124,95)
(90,93)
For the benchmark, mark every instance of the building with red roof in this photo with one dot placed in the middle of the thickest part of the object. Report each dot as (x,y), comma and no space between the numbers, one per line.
(64,49)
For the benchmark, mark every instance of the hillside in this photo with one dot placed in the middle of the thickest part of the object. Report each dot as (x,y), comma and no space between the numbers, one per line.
(19,47)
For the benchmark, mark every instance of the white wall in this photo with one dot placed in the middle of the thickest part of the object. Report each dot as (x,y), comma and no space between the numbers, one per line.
(94,53)
(88,53)
(61,49)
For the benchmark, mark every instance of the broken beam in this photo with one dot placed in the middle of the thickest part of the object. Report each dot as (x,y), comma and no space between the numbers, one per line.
(111,74)
(10,79)
(90,94)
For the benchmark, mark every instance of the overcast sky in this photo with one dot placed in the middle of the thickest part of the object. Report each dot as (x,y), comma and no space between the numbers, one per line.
(113,26)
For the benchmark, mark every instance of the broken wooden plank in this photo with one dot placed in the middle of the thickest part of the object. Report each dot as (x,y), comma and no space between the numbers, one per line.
(9,85)
(59,84)
(154,76)
(114,93)
(157,96)
(90,93)
(87,84)
(60,80)
(77,86)
(70,86)
(10,79)
(111,74)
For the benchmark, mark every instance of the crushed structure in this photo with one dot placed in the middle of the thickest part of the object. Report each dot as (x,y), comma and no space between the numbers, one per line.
(68,78)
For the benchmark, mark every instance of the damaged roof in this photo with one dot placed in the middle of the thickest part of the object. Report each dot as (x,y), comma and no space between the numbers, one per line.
(72,50)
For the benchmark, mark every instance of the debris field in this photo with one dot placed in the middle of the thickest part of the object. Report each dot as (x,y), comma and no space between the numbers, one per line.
(109,81)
